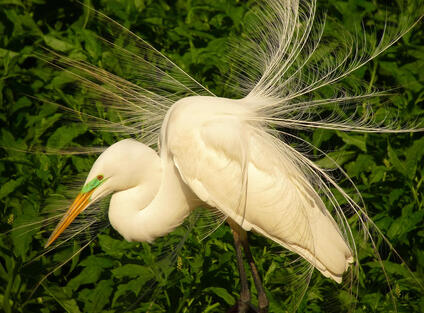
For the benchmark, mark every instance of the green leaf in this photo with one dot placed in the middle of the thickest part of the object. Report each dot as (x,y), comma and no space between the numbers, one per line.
(42,124)
(395,195)
(22,102)
(354,140)
(71,306)
(132,271)
(363,163)
(413,155)
(7,139)
(397,163)
(13,2)
(10,186)
(95,300)
(64,135)
(88,275)
(61,79)
(57,44)
(377,174)
(133,286)
(409,221)
(26,225)
(336,157)
(93,260)
(114,247)
(222,293)
(58,294)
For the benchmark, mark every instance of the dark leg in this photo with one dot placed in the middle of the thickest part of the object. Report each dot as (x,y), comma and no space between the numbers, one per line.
(244,293)
(262,299)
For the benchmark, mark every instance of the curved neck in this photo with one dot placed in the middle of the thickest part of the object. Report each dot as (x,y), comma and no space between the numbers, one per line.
(154,209)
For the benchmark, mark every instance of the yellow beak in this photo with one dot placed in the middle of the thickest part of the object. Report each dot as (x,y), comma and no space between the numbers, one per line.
(79,204)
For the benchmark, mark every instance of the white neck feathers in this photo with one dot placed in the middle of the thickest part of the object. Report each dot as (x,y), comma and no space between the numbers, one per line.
(154,209)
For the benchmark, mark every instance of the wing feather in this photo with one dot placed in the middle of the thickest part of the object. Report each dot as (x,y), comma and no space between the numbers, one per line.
(236,168)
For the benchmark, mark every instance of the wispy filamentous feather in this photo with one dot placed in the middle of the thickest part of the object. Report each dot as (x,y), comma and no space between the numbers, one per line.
(139,83)
(289,71)
(290,60)
(289,66)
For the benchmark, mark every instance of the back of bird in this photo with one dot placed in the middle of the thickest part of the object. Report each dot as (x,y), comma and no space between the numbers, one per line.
(231,161)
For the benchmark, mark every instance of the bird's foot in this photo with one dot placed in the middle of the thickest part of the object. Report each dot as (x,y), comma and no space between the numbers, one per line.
(241,307)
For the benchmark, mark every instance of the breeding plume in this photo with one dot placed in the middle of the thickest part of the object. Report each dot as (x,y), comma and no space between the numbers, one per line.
(233,155)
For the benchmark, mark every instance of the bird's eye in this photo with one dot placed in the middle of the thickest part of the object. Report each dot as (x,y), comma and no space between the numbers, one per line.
(100,177)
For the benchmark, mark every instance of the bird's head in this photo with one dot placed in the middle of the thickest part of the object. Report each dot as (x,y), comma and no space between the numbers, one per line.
(123,165)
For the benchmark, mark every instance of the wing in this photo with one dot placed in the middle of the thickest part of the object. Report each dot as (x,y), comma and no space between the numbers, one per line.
(242,171)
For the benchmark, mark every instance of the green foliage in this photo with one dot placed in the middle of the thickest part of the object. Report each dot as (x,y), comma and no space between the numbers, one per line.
(112,275)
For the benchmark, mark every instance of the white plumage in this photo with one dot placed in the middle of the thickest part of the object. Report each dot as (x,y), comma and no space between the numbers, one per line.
(212,150)
(233,165)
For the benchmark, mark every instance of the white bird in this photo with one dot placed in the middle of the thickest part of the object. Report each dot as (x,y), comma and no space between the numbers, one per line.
(225,153)
(205,143)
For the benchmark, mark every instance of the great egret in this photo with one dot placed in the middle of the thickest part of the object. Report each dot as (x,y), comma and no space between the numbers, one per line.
(224,152)
(204,144)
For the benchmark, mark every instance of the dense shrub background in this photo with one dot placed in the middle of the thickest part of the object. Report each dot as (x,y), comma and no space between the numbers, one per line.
(111,274)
